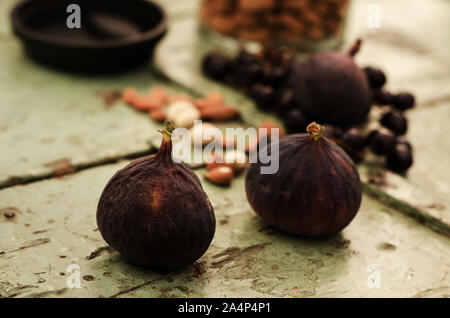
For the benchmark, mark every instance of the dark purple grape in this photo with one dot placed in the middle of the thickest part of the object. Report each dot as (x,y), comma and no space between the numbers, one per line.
(215,65)
(295,121)
(375,76)
(395,121)
(400,158)
(403,101)
(273,55)
(284,101)
(274,76)
(369,137)
(263,95)
(247,74)
(382,141)
(382,97)
(354,138)
(246,70)
(403,141)
(333,131)
(245,57)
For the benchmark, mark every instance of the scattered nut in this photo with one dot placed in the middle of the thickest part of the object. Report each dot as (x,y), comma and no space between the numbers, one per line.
(200,103)
(145,103)
(265,20)
(229,141)
(157,115)
(259,5)
(252,145)
(214,99)
(220,175)
(269,126)
(214,161)
(204,134)
(159,95)
(129,95)
(219,113)
(182,113)
(174,109)
(236,159)
(178,98)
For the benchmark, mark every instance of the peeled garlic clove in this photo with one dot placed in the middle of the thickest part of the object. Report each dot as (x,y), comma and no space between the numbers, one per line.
(204,134)
(236,159)
(182,113)
(177,107)
(187,117)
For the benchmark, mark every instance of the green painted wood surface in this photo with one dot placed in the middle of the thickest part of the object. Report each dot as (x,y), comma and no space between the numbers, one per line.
(49,118)
(246,259)
(52,122)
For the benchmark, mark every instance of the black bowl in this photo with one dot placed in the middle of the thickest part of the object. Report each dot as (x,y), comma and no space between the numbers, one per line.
(114,34)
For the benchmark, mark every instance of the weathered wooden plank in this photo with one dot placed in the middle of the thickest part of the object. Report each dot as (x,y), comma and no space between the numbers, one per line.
(54,226)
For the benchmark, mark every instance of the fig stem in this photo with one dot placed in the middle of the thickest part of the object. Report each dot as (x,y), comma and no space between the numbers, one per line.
(315,130)
(169,127)
(355,47)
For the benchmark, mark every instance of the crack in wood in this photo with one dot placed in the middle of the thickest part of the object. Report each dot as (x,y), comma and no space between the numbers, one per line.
(431,292)
(132,289)
(58,292)
(233,253)
(34,243)
(23,180)
(421,217)
(435,101)
(99,251)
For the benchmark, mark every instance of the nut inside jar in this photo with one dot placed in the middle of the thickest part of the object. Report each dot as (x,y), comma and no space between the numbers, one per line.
(297,23)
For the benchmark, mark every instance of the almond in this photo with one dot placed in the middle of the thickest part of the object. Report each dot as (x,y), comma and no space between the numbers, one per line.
(159,95)
(229,141)
(200,103)
(269,125)
(252,145)
(214,99)
(178,98)
(218,113)
(129,95)
(213,165)
(157,114)
(220,175)
(222,24)
(146,103)
(260,5)
(214,161)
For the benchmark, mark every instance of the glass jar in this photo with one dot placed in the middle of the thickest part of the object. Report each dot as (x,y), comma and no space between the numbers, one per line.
(302,24)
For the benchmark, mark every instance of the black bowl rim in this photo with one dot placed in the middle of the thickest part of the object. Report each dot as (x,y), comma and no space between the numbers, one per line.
(30,34)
